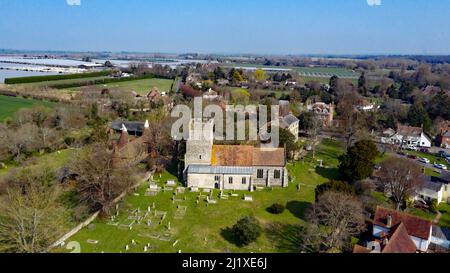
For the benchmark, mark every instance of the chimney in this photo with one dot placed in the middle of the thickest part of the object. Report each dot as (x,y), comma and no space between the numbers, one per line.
(146,129)
(389,221)
(123,137)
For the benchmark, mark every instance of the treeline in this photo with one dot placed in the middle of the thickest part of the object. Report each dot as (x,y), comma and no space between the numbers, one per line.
(104,81)
(34,79)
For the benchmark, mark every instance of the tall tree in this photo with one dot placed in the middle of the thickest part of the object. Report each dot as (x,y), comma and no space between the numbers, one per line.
(260,75)
(400,178)
(98,181)
(31,216)
(342,214)
(359,161)
(418,116)
(362,84)
(310,122)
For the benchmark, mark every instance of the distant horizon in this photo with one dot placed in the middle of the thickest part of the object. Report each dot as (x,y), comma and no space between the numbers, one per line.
(282,28)
(219,54)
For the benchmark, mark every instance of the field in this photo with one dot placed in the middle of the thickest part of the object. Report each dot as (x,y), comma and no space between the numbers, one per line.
(9,105)
(53,161)
(206,228)
(142,87)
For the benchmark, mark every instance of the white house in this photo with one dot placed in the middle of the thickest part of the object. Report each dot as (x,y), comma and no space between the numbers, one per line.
(434,190)
(387,220)
(406,136)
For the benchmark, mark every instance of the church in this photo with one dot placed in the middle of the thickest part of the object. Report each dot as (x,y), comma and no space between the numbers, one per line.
(230,167)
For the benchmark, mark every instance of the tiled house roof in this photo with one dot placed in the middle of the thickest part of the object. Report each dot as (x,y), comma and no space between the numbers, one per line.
(399,241)
(246,156)
(416,226)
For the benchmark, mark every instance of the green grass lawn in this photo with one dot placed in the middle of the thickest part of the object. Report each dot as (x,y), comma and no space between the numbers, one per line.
(142,87)
(9,105)
(53,161)
(206,228)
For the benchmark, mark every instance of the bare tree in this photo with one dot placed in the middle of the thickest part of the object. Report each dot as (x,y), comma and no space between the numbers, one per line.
(98,182)
(400,178)
(342,214)
(31,217)
(25,139)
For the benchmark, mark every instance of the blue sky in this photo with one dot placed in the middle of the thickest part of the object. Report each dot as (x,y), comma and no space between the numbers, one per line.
(228,26)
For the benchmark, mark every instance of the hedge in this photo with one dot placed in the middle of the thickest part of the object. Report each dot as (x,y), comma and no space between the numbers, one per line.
(103,81)
(34,79)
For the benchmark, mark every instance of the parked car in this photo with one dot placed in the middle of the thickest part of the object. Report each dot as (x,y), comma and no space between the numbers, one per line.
(424,150)
(443,154)
(424,160)
(412,156)
(401,153)
(411,148)
(440,166)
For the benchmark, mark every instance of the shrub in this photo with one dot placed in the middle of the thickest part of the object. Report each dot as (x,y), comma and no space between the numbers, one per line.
(337,186)
(276,208)
(434,206)
(247,230)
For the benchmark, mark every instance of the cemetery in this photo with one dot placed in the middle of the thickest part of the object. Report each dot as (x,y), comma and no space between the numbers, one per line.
(163,216)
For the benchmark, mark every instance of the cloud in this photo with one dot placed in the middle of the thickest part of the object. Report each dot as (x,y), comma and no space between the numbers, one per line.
(73,2)
(374,2)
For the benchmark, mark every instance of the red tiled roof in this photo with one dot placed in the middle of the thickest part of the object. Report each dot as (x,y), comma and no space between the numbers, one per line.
(360,250)
(415,226)
(405,130)
(400,241)
(232,155)
(189,91)
(246,156)
(268,157)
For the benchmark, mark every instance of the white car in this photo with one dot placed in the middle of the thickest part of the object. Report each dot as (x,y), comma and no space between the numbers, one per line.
(440,166)
(411,148)
(424,160)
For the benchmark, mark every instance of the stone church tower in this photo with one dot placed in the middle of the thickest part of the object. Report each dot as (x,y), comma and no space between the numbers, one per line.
(200,142)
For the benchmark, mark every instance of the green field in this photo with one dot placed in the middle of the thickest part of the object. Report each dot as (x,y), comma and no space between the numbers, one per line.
(142,87)
(206,228)
(9,105)
(53,161)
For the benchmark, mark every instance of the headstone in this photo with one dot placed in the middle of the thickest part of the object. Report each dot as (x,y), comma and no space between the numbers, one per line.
(127,247)
(145,248)
(148,209)
(168,226)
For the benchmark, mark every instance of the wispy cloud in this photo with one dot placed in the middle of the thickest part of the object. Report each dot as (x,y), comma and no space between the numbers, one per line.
(73,2)
(374,2)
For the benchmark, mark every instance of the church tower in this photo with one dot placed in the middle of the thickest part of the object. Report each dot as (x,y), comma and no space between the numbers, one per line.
(200,142)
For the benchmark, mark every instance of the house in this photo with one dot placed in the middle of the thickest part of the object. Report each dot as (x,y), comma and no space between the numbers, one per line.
(210,95)
(290,123)
(396,241)
(230,167)
(134,128)
(365,106)
(443,139)
(441,237)
(435,188)
(386,221)
(324,112)
(406,136)
(130,150)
